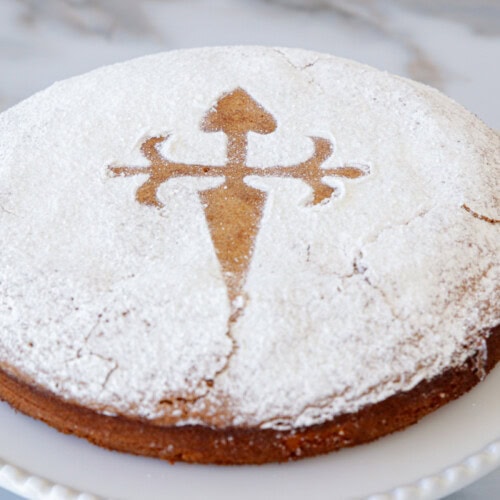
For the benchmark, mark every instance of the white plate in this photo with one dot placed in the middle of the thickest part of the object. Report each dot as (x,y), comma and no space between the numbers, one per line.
(444,452)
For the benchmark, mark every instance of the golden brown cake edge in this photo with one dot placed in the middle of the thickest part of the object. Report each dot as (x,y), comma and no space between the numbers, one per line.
(238,445)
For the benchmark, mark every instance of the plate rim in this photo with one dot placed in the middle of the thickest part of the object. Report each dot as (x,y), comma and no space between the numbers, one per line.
(443,478)
(444,482)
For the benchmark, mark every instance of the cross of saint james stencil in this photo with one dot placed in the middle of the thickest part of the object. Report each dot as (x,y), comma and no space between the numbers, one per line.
(233,210)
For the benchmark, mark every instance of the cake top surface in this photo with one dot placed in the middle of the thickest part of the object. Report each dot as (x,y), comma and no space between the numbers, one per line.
(243,236)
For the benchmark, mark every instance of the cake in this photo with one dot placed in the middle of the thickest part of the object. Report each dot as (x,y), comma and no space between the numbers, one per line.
(240,255)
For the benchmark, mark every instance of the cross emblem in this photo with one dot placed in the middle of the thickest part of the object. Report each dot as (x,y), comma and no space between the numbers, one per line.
(233,210)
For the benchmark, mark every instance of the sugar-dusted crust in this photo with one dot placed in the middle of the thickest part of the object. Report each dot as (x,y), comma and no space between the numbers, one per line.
(252,445)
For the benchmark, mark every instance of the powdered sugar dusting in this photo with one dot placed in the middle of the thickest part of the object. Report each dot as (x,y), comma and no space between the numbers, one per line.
(122,306)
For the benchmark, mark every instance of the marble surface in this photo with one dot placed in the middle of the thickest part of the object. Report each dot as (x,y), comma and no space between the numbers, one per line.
(453,45)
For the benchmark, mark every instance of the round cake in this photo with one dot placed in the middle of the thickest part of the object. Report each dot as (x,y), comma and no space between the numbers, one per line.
(244,254)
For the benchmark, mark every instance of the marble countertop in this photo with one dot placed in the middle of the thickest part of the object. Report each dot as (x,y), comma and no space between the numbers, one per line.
(453,45)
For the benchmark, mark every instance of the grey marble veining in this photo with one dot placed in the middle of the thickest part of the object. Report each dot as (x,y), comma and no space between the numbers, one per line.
(480,15)
(451,44)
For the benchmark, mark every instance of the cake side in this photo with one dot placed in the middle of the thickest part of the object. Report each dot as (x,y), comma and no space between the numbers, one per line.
(243,445)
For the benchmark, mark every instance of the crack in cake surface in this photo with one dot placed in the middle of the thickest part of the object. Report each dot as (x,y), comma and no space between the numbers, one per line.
(477,215)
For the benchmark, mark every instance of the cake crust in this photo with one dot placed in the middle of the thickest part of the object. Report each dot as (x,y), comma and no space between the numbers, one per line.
(239,445)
